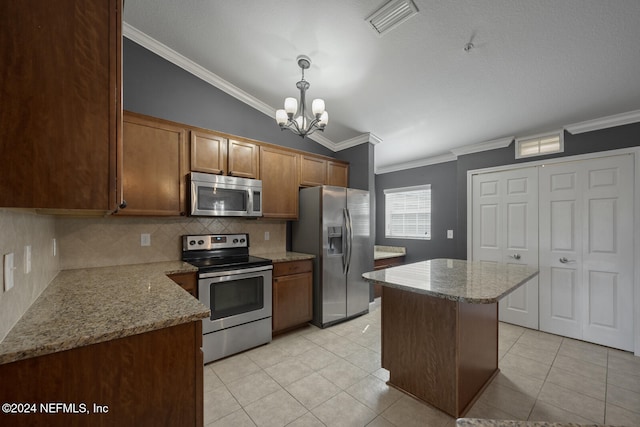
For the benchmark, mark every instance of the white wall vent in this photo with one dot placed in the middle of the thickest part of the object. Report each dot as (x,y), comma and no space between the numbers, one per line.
(540,145)
(391,15)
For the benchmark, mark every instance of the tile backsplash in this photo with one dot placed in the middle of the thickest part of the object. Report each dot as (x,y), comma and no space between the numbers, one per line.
(105,241)
(17,230)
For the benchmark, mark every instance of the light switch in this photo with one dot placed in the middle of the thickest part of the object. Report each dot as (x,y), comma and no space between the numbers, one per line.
(449,234)
(8,271)
(54,245)
(266,235)
(145,239)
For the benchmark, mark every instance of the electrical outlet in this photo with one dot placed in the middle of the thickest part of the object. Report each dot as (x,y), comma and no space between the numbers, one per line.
(145,239)
(8,271)
(54,246)
(266,235)
(27,259)
(449,234)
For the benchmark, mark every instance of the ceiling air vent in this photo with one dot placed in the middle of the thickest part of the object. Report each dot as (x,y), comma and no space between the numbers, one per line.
(391,15)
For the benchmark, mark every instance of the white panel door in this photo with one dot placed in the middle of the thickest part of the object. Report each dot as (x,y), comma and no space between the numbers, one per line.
(586,246)
(505,229)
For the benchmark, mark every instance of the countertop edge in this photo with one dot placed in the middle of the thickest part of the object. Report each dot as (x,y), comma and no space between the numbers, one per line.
(285,256)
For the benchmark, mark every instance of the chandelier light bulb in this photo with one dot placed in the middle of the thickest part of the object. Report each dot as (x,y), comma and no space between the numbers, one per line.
(324,119)
(317,106)
(281,117)
(291,105)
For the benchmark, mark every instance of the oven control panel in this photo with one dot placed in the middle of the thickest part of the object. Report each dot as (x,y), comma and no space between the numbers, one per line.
(214,241)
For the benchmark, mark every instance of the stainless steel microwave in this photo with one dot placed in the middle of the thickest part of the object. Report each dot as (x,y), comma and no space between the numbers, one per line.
(217,195)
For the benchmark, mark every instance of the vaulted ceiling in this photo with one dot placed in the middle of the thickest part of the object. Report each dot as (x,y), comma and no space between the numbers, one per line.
(535,65)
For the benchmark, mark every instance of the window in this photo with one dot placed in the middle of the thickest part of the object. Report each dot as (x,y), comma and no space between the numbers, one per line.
(539,145)
(408,212)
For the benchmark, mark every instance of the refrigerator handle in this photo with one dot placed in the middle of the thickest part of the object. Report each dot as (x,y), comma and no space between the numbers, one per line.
(345,241)
(349,238)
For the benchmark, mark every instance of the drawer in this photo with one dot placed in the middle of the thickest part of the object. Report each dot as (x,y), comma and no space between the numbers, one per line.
(292,267)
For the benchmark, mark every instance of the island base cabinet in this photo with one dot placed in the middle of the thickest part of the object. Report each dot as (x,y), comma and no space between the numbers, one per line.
(150,379)
(441,351)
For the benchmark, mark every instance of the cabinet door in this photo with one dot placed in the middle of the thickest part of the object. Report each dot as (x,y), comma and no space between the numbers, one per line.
(153,171)
(279,174)
(188,282)
(61,113)
(208,153)
(313,171)
(243,159)
(337,174)
(292,296)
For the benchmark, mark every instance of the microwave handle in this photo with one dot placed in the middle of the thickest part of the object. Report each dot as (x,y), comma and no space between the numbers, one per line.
(249,200)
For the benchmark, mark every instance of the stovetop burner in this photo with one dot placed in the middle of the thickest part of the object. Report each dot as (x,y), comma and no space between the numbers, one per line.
(219,252)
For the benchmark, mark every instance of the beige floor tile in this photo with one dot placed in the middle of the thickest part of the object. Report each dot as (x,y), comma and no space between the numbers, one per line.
(320,336)
(622,361)
(486,411)
(524,366)
(585,351)
(543,411)
(374,393)
(295,345)
(307,420)
(577,383)
(538,354)
(252,387)
(341,346)
(275,410)
(313,390)
(380,421)
(234,367)
(266,355)
(238,418)
(623,380)
(366,359)
(344,410)
(218,403)
(409,412)
(342,373)
(623,398)
(580,367)
(382,373)
(618,416)
(211,380)
(507,330)
(288,371)
(511,378)
(318,358)
(588,407)
(508,400)
(540,340)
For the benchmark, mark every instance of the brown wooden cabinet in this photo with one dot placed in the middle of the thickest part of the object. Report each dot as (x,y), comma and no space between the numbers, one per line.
(380,264)
(337,174)
(188,282)
(292,294)
(208,152)
(149,379)
(244,159)
(279,175)
(153,167)
(60,80)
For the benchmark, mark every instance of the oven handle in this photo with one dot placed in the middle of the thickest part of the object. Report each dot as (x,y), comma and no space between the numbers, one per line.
(233,272)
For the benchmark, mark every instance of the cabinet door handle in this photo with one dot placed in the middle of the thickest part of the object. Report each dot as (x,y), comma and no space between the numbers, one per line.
(123,204)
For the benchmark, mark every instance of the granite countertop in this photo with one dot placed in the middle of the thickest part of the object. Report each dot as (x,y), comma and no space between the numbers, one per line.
(285,256)
(478,422)
(453,279)
(89,306)
(384,252)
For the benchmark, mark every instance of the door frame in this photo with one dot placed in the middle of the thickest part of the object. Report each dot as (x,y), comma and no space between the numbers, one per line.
(635,152)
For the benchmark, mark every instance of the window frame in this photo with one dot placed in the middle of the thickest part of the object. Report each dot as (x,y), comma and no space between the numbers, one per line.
(387,213)
(538,138)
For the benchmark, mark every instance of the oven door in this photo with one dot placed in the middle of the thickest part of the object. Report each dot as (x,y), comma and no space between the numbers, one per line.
(235,297)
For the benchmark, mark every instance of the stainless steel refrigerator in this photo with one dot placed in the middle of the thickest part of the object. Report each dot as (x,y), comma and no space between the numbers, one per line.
(334,225)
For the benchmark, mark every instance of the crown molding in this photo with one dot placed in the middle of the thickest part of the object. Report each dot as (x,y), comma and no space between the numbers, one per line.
(144,40)
(360,139)
(604,122)
(416,163)
(483,146)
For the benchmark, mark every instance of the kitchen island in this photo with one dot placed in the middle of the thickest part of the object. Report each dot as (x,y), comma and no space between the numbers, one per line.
(440,327)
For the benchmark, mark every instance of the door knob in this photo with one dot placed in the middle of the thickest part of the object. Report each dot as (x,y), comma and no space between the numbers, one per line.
(515,256)
(564,260)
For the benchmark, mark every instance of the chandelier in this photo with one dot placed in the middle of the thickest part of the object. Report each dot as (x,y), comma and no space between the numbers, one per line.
(294,116)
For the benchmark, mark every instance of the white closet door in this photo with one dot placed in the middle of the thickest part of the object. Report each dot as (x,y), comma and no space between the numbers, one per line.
(586,246)
(505,229)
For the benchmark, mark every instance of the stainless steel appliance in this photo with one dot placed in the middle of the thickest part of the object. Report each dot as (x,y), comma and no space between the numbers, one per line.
(334,225)
(217,195)
(236,287)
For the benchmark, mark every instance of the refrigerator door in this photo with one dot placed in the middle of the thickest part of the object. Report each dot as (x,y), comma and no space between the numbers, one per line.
(334,241)
(361,251)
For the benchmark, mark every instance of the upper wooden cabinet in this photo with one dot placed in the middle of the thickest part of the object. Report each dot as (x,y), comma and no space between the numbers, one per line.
(208,153)
(279,175)
(60,80)
(215,153)
(316,171)
(337,174)
(244,159)
(153,166)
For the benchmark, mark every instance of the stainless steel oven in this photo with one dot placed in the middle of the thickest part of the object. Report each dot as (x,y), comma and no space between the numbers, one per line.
(237,289)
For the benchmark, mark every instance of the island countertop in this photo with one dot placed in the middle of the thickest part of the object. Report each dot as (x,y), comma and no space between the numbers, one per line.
(89,306)
(458,280)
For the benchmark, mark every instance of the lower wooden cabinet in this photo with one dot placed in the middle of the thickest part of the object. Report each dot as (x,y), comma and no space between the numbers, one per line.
(383,263)
(188,282)
(292,294)
(149,379)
